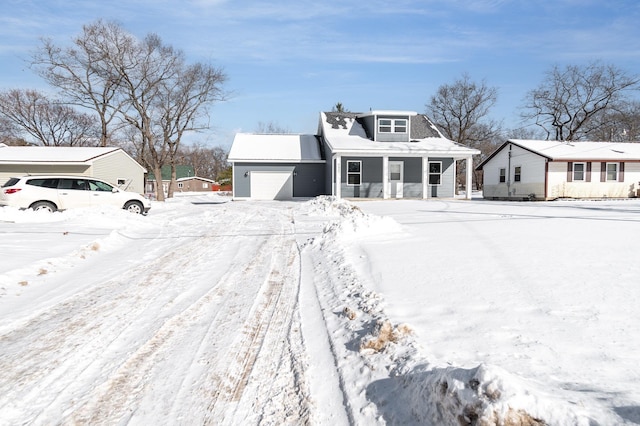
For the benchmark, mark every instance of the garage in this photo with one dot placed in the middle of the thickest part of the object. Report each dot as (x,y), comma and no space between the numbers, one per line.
(271,185)
(277,167)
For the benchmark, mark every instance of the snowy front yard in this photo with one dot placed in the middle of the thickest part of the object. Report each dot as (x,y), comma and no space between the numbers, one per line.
(208,311)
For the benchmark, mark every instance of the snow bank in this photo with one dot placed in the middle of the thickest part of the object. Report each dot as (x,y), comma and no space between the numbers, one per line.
(402,384)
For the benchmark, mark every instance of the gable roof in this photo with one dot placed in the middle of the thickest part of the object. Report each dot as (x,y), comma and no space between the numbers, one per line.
(346,133)
(275,148)
(52,154)
(182,171)
(574,150)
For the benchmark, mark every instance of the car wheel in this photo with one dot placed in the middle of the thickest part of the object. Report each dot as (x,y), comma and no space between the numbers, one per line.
(43,205)
(134,207)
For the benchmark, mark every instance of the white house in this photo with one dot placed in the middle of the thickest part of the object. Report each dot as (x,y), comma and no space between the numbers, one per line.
(546,170)
(107,163)
(375,154)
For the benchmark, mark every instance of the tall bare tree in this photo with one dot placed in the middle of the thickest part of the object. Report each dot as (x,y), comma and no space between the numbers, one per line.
(146,83)
(182,102)
(34,116)
(207,162)
(461,110)
(80,72)
(576,102)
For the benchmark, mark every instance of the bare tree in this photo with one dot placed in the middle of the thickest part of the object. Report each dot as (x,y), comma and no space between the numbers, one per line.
(207,162)
(81,72)
(575,102)
(271,128)
(182,102)
(46,122)
(461,110)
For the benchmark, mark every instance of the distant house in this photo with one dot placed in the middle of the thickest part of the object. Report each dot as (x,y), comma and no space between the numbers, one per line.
(107,163)
(547,170)
(377,154)
(186,181)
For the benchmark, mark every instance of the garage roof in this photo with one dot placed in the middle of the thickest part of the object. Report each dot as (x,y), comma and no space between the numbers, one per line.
(275,148)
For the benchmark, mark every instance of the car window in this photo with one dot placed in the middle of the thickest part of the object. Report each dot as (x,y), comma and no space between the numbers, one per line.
(43,182)
(78,184)
(96,185)
(11,182)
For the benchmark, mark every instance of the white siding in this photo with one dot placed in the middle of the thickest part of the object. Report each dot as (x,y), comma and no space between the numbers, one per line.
(119,166)
(559,187)
(532,174)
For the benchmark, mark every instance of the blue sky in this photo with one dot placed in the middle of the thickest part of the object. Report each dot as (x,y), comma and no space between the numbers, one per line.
(287,60)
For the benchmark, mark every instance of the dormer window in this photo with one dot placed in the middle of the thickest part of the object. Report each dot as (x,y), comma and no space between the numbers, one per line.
(389,125)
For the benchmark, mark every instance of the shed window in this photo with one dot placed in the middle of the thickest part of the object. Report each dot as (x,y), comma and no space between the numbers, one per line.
(435,173)
(354,172)
(503,175)
(517,173)
(612,171)
(578,171)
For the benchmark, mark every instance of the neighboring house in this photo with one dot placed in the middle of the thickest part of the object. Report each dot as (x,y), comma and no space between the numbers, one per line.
(546,170)
(182,172)
(377,154)
(196,184)
(107,163)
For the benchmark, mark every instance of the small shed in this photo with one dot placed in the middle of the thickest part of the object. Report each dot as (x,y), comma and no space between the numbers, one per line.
(547,170)
(276,166)
(111,164)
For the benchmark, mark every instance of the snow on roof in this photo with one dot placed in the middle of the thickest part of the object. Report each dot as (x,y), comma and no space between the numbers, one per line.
(282,148)
(344,133)
(52,154)
(563,150)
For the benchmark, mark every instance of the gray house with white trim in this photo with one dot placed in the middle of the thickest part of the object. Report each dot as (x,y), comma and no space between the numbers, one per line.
(547,170)
(111,164)
(377,154)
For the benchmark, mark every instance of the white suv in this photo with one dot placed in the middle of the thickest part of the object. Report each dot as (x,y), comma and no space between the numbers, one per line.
(63,192)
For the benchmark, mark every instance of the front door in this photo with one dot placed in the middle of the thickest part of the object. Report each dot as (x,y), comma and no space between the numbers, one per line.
(396,178)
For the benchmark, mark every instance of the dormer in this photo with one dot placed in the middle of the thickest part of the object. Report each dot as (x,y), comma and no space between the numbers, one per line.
(388,126)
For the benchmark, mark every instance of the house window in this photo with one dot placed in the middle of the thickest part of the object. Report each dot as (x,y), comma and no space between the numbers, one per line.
(578,171)
(400,126)
(354,172)
(121,182)
(517,173)
(435,173)
(205,185)
(612,171)
(503,175)
(387,125)
(384,125)
(180,185)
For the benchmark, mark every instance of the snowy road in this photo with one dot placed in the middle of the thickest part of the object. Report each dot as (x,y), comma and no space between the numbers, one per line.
(193,332)
(208,311)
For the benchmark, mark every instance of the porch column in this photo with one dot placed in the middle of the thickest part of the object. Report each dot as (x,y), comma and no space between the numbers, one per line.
(385,177)
(469,183)
(337,183)
(425,177)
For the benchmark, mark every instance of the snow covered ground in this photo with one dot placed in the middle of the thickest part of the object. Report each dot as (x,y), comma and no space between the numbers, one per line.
(208,311)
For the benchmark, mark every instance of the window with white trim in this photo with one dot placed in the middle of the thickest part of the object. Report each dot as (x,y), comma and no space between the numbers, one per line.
(579,171)
(389,125)
(354,172)
(503,175)
(612,171)
(205,185)
(180,185)
(435,172)
(517,173)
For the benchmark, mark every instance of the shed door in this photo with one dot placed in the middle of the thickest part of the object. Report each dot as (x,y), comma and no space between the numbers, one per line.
(271,185)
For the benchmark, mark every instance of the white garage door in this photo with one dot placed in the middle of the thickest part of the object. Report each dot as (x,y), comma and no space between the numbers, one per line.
(271,185)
